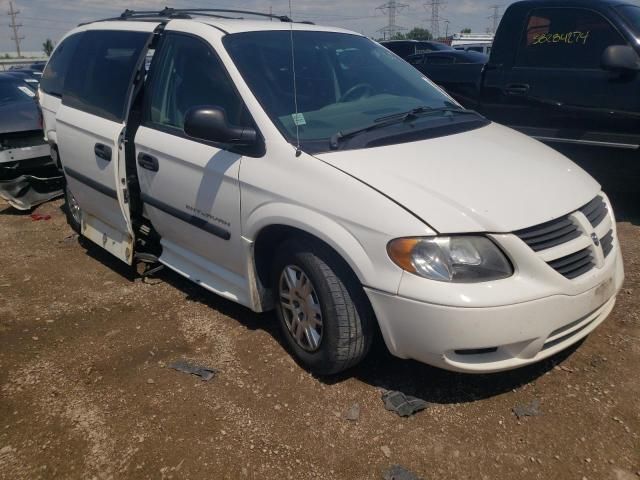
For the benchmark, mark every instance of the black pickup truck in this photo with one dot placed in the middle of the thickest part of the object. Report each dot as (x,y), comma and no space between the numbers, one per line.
(566,72)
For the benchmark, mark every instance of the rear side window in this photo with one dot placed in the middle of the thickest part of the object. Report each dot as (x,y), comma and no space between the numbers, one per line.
(52,81)
(101,72)
(572,38)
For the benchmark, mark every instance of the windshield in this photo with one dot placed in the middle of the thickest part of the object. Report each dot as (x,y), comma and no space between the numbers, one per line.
(12,91)
(631,15)
(343,82)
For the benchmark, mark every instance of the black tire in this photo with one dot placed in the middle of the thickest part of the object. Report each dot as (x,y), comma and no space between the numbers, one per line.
(69,201)
(347,316)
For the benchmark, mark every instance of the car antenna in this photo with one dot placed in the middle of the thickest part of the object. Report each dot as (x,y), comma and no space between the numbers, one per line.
(296,120)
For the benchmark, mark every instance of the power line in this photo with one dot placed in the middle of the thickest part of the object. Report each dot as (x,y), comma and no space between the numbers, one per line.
(435,7)
(495,17)
(15,26)
(391,8)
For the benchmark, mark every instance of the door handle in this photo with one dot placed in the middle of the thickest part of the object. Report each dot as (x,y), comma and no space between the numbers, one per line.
(518,89)
(148,162)
(102,151)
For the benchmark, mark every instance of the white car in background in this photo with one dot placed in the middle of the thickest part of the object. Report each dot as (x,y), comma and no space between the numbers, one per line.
(340,187)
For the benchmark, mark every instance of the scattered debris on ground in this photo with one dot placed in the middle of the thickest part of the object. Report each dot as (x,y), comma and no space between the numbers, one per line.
(36,217)
(403,405)
(352,413)
(73,238)
(185,366)
(398,472)
(531,409)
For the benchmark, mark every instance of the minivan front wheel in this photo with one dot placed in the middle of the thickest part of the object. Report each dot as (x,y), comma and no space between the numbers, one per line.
(324,315)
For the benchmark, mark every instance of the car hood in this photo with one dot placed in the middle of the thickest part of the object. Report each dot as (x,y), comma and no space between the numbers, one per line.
(491,179)
(19,116)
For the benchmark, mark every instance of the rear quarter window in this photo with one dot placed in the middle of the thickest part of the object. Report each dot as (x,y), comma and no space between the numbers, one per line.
(52,81)
(102,70)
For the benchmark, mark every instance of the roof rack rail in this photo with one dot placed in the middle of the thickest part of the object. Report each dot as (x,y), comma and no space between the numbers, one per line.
(282,18)
(168,13)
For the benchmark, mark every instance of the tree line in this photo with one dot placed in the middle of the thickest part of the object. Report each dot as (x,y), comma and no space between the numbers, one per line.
(417,33)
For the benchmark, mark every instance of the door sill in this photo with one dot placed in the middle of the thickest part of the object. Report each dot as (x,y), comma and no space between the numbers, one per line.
(205,273)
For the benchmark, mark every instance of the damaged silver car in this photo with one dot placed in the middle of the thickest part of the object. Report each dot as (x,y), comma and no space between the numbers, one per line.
(28,175)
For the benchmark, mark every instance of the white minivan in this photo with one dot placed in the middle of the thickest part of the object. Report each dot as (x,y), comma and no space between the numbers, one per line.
(308,169)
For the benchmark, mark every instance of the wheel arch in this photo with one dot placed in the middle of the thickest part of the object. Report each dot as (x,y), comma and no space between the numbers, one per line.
(272,230)
(272,236)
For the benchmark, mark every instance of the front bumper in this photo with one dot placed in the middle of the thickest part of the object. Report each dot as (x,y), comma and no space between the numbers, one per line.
(24,153)
(485,339)
(28,176)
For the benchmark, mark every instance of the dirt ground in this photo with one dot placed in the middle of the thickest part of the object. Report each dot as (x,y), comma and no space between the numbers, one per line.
(85,391)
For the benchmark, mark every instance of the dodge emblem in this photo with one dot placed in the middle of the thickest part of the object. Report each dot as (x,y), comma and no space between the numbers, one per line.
(596,240)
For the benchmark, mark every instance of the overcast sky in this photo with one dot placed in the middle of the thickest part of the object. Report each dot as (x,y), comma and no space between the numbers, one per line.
(52,18)
(43,19)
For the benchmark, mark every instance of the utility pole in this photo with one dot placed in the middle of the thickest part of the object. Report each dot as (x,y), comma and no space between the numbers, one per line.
(495,17)
(15,26)
(435,7)
(391,8)
(446,35)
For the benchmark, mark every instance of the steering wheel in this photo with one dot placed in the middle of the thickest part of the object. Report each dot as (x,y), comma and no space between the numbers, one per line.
(365,91)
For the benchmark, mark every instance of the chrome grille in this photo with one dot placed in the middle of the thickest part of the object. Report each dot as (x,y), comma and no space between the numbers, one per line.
(595,211)
(574,265)
(607,243)
(549,234)
(545,237)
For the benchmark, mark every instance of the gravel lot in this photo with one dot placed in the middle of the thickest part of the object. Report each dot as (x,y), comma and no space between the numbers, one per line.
(85,391)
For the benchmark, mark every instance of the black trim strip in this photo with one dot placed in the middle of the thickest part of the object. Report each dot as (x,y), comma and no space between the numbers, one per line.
(109,192)
(185,217)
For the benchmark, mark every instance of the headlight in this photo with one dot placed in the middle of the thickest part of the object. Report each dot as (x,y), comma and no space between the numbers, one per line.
(462,259)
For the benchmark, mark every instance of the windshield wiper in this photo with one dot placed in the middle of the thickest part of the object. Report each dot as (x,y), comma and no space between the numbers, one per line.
(393,119)
(416,112)
(334,142)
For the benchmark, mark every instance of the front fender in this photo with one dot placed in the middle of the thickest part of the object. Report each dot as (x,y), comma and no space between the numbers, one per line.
(329,230)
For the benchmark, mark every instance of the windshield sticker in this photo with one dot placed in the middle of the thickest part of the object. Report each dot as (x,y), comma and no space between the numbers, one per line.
(298,119)
(27,91)
(570,38)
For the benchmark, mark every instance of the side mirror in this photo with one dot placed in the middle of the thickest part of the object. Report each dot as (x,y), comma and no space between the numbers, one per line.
(620,58)
(210,123)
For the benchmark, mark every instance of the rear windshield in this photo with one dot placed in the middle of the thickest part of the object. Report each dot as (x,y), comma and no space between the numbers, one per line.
(631,15)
